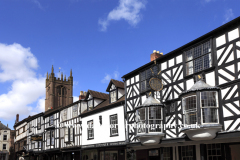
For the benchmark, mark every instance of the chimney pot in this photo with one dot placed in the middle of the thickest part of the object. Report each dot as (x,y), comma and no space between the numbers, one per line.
(82,96)
(154,51)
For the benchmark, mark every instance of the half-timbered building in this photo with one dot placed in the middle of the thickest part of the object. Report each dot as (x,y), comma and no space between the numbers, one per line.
(185,104)
(103,124)
(20,141)
(35,131)
(70,129)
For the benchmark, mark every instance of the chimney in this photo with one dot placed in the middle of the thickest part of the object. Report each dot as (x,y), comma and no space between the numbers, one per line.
(155,55)
(82,95)
(17,118)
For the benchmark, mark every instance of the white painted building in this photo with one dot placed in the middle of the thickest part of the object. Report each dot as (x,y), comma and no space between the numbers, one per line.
(103,124)
(4,141)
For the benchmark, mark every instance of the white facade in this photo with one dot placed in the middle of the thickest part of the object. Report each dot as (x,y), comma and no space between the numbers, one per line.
(102,131)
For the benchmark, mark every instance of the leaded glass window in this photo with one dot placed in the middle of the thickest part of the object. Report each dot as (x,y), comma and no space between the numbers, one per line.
(75,107)
(214,152)
(51,120)
(48,138)
(167,155)
(71,133)
(209,107)
(145,77)
(113,95)
(190,109)
(187,153)
(155,119)
(114,124)
(66,134)
(52,137)
(198,58)
(141,120)
(39,123)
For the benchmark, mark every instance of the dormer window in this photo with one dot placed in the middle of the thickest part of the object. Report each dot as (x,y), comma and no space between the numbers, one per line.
(90,104)
(200,111)
(113,95)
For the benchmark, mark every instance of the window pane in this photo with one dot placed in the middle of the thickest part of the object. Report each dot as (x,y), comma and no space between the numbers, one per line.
(155,125)
(189,103)
(197,51)
(206,47)
(189,68)
(154,112)
(190,110)
(140,118)
(198,65)
(143,76)
(207,61)
(148,74)
(189,55)
(143,85)
(191,118)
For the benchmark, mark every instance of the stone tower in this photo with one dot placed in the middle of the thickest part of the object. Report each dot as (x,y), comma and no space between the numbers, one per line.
(58,91)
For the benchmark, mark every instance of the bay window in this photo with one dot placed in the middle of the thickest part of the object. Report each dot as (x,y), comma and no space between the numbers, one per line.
(149,119)
(200,111)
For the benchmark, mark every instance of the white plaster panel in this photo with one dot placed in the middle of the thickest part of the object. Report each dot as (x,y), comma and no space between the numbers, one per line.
(132,80)
(238,53)
(171,62)
(128,82)
(120,93)
(233,34)
(164,65)
(210,78)
(137,78)
(179,59)
(220,40)
(189,83)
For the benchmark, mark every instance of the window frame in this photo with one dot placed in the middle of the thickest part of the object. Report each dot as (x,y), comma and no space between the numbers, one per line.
(74,112)
(90,129)
(189,110)
(4,139)
(5,146)
(38,123)
(30,126)
(217,108)
(67,136)
(161,120)
(51,121)
(48,138)
(198,57)
(111,97)
(90,100)
(116,125)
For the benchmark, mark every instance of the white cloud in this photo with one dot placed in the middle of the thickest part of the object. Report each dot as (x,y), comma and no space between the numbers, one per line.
(128,10)
(18,65)
(228,15)
(75,98)
(108,77)
(38,4)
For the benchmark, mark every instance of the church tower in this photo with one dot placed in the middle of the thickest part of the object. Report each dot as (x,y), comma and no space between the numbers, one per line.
(59,91)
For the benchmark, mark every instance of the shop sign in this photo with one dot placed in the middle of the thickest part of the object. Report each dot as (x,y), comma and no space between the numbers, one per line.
(104,144)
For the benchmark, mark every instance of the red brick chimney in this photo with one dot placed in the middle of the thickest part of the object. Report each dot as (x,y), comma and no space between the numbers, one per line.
(82,95)
(155,55)
(17,118)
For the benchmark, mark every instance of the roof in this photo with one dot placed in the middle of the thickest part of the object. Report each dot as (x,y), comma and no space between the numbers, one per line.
(117,83)
(150,101)
(180,49)
(2,126)
(96,94)
(200,85)
(104,105)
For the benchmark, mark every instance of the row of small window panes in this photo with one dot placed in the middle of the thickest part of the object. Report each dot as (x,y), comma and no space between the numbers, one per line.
(187,152)
(214,151)
(198,51)
(145,85)
(199,64)
(114,122)
(155,113)
(155,125)
(167,153)
(190,102)
(190,118)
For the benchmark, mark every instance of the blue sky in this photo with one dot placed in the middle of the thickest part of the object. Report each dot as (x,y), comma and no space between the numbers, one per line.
(97,39)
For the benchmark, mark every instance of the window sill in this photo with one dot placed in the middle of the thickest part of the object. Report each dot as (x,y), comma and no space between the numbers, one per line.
(90,138)
(114,135)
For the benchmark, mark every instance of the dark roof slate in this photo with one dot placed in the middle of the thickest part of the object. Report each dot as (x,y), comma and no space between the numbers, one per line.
(2,126)
(99,95)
